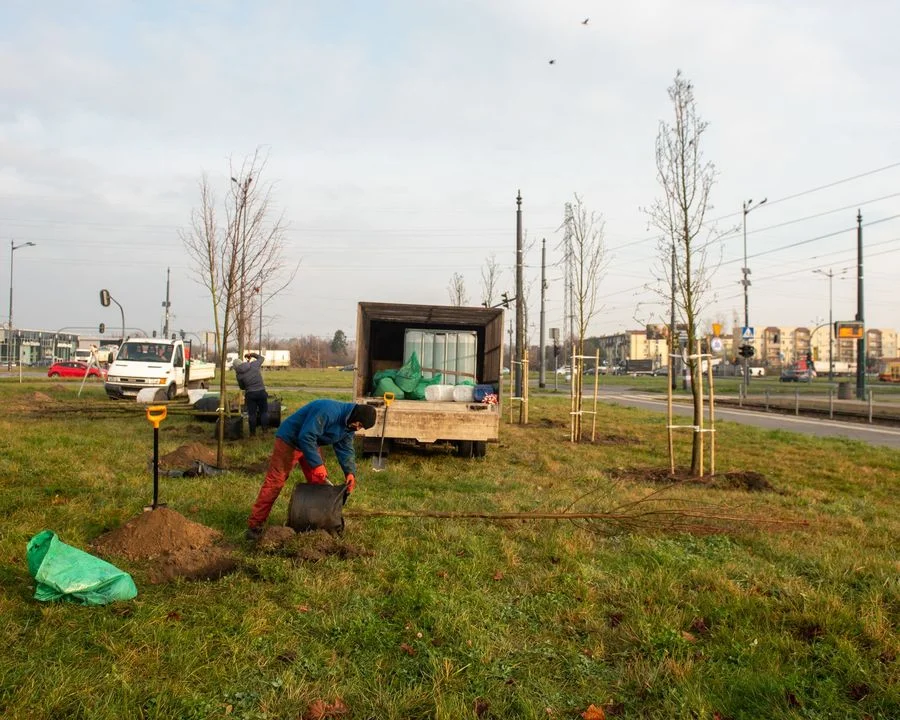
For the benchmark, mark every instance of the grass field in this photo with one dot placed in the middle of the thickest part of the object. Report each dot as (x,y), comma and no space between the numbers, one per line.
(448,618)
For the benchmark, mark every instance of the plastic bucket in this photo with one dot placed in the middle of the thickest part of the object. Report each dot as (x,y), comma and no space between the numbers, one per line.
(317,507)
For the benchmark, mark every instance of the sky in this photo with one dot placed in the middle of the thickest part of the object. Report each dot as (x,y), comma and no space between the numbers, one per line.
(398,134)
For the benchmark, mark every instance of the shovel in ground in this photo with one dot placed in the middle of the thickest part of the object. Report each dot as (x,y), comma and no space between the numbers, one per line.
(156,414)
(380,463)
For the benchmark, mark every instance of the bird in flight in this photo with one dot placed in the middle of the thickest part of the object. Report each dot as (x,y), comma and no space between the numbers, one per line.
(552,62)
(585,21)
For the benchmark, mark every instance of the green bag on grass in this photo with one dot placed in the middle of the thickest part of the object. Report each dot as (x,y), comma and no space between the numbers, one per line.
(63,572)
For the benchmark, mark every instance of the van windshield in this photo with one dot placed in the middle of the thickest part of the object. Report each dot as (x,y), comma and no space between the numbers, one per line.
(145,352)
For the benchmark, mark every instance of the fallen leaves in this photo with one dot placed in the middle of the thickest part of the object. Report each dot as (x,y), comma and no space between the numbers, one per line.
(593,713)
(321,710)
(408,649)
(498,575)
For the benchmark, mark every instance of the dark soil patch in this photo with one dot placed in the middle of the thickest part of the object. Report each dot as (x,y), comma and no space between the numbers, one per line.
(548,423)
(749,481)
(613,439)
(318,545)
(187,455)
(172,546)
(736,480)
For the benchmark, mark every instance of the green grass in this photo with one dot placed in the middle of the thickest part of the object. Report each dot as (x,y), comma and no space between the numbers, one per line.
(533,619)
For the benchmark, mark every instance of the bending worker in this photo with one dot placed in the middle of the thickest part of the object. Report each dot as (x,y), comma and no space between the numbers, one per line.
(250,380)
(299,439)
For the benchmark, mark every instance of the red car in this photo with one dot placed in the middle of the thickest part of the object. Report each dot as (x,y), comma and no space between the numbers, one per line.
(72,368)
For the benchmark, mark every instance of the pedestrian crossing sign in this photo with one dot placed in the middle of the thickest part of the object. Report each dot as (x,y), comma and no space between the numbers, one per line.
(746,333)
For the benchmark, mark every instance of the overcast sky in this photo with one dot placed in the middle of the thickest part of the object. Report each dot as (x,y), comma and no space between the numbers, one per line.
(400,132)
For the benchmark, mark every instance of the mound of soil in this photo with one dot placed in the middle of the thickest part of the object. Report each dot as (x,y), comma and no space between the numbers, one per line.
(42,397)
(172,545)
(154,533)
(187,455)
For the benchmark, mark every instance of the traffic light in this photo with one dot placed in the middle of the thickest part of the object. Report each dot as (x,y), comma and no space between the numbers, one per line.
(102,328)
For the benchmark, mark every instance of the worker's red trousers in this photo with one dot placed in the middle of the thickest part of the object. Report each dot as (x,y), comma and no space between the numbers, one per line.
(284,459)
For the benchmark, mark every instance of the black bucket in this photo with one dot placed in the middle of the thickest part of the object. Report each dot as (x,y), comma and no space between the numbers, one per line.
(317,507)
(274,412)
(234,428)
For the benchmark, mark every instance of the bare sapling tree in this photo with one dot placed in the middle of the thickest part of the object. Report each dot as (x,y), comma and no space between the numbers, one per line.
(490,280)
(232,261)
(686,179)
(587,248)
(457,289)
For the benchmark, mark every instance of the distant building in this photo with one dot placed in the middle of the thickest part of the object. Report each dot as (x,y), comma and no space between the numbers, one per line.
(35,347)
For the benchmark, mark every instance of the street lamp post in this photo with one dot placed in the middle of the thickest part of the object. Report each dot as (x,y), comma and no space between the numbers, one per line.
(830,276)
(745,281)
(12,249)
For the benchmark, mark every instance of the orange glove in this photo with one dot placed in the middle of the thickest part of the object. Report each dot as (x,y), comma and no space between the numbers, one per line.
(351,483)
(319,475)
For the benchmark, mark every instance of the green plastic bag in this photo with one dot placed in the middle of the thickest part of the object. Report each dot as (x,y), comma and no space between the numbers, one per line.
(384,385)
(409,375)
(63,572)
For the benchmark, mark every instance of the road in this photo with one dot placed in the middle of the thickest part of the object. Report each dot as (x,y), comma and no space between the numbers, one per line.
(872,434)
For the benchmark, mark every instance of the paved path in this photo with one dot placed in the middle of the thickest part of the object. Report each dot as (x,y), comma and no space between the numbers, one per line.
(873,434)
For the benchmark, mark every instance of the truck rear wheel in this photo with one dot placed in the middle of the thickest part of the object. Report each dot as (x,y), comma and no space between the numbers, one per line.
(171,391)
(464,448)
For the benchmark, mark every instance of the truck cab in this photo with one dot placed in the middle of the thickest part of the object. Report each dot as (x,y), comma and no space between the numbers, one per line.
(155,363)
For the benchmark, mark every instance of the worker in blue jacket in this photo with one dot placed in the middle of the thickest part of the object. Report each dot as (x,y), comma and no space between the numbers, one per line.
(299,440)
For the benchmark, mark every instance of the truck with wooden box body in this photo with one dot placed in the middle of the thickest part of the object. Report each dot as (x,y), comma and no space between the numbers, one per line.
(462,344)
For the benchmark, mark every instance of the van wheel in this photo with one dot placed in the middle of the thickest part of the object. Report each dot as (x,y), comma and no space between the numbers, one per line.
(464,448)
(479,448)
(171,391)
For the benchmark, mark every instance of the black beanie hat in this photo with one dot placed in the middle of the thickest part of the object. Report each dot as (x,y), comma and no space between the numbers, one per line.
(364,414)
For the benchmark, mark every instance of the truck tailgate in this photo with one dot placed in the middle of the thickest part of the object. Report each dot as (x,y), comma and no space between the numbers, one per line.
(428,422)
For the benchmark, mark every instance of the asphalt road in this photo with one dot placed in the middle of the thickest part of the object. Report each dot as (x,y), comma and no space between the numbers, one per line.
(872,434)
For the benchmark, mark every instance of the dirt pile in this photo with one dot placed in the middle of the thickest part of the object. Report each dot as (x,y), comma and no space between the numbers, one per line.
(42,397)
(186,455)
(172,545)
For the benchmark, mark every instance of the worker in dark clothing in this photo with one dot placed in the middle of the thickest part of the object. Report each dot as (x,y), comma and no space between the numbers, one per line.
(250,380)
(299,440)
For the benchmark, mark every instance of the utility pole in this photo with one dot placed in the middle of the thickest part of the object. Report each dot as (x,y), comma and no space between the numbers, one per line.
(830,276)
(541,376)
(166,305)
(860,316)
(520,309)
(748,206)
